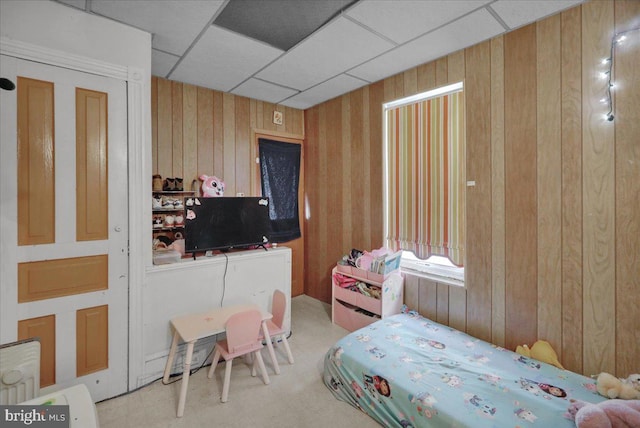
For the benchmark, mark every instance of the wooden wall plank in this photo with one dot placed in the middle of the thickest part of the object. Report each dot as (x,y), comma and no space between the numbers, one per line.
(44,328)
(177,117)
(571,204)
(426,79)
(92,340)
(458,307)
(243,164)
(442,304)
(165,132)
(205,131)
(365,153)
(376,94)
(549,182)
(359,173)
(229,142)
(347,173)
(311,200)
(335,245)
(189,134)
(627,64)
(498,286)
(154,124)
(428,299)
(598,195)
(520,189)
(92,185)
(218,135)
(478,197)
(36,165)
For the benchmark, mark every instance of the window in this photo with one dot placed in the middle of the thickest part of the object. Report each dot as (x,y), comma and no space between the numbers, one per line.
(424,178)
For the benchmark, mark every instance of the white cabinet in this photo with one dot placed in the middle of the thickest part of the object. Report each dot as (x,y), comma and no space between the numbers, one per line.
(352,309)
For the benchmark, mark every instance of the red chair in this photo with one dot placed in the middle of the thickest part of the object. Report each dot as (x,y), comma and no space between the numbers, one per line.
(243,337)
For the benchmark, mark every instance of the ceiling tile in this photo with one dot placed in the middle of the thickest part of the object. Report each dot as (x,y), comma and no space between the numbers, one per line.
(467,31)
(222,60)
(79,4)
(263,91)
(279,23)
(518,13)
(162,63)
(338,46)
(325,91)
(174,24)
(402,21)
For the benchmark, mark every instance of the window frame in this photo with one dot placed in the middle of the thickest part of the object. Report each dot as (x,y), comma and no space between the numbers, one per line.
(421,268)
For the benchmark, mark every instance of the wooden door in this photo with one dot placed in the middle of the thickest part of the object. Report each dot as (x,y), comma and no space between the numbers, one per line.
(296,245)
(64,262)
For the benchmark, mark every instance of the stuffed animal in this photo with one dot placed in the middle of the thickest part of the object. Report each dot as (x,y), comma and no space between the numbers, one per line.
(610,386)
(541,351)
(212,186)
(607,414)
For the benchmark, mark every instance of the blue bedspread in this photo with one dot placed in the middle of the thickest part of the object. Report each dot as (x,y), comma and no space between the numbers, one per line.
(406,370)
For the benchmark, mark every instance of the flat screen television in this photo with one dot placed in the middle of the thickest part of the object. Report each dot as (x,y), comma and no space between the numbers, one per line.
(225,223)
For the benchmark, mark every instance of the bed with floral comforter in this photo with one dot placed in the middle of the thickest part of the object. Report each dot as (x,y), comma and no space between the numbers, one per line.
(406,370)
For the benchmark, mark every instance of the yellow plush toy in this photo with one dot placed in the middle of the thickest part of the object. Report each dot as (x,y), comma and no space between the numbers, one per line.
(611,387)
(541,351)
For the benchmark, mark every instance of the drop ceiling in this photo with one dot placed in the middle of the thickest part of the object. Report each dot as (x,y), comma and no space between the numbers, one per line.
(299,53)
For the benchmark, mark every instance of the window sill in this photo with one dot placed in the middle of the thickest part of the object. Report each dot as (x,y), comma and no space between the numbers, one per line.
(431,273)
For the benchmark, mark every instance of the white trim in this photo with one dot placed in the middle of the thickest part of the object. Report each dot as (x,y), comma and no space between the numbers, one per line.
(58,58)
(137,165)
(433,93)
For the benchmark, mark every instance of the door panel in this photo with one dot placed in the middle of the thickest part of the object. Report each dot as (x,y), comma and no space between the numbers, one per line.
(63,169)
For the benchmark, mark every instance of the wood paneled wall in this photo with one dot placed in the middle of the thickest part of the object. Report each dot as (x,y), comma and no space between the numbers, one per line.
(553,222)
(201,131)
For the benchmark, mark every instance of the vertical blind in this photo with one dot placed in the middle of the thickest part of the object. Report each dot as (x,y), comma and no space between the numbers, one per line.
(425,177)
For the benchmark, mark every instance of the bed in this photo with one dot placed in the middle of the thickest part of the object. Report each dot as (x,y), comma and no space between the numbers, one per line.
(408,371)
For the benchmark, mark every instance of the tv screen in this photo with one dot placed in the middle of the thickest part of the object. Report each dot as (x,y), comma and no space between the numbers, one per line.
(225,223)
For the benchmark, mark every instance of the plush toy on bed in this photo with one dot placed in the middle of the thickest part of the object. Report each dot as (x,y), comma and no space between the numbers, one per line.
(212,186)
(607,414)
(541,351)
(610,386)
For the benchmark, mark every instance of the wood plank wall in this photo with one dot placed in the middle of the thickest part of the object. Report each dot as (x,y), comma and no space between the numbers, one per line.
(553,222)
(201,131)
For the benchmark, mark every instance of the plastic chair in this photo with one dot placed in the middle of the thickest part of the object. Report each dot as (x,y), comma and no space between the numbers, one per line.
(242,338)
(275,324)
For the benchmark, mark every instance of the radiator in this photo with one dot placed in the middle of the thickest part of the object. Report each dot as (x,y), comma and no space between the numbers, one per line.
(19,371)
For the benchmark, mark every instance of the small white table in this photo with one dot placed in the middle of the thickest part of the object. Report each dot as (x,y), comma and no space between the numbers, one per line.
(192,327)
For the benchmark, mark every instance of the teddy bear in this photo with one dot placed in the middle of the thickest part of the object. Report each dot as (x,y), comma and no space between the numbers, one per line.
(607,414)
(610,386)
(541,351)
(212,186)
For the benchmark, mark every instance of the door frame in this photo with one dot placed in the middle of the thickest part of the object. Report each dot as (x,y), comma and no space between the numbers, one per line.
(136,161)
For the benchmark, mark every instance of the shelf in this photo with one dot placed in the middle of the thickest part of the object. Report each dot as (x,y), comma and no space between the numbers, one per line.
(173,192)
(167,210)
(159,229)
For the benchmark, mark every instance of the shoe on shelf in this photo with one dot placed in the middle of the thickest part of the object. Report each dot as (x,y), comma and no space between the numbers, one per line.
(178,184)
(169,184)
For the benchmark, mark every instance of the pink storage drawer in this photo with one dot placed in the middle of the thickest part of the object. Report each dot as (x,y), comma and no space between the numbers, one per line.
(355,298)
(368,303)
(345,295)
(347,317)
